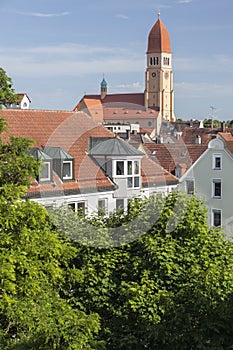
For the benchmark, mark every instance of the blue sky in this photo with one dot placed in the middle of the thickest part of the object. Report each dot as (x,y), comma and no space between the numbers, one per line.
(57,50)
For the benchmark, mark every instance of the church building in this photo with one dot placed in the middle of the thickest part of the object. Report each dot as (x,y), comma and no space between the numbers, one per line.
(149,108)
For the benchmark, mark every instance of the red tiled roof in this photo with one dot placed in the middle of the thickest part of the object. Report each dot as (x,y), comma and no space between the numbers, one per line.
(190,134)
(21,96)
(126,100)
(228,138)
(169,156)
(154,174)
(68,130)
(116,107)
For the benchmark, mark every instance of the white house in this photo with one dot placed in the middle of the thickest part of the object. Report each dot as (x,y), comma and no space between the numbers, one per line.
(210,177)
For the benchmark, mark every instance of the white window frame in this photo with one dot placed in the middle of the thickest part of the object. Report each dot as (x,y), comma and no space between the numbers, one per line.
(215,156)
(47,164)
(213,212)
(214,181)
(75,205)
(135,175)
(115,168)
(71,169)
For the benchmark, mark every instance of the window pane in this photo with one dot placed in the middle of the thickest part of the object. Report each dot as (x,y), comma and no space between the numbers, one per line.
(190,186)
(130,168)
(130,182)
(119,168)
(71,206)
(119,204)
(136,181)
(136,167)
(81,207)
(217,162)
(217,189)
(44,173)
(67,170)
(101,206)
(217,218)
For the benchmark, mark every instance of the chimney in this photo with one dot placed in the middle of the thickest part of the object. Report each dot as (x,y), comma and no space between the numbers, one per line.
(223,127)
(128,134)
(134,132)
(198,140)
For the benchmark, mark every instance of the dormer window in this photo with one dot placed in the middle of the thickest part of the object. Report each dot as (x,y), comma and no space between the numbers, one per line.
(45,172)
(67,169)
(129,169)
(63,162)
(46,164)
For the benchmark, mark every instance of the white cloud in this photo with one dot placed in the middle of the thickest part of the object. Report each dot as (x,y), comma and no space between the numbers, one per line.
(122,16)
(184,1)
(136,86)
(198,90)
(163,6)
(40,14)
(203,64)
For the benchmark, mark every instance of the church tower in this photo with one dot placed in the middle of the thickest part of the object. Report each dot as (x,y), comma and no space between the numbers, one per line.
(159,93)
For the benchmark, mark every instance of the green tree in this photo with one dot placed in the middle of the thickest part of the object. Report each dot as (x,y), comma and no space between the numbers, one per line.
(169,289)
(7,92)
(36,270)
(208,122)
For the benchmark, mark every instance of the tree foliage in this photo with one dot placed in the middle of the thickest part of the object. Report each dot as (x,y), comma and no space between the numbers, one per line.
(171,288)
(7,92)
(36,271)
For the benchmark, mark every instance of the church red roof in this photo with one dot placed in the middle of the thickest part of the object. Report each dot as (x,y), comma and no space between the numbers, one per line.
(159,39)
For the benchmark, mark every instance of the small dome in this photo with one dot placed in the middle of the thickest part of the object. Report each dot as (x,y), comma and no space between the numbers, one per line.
(103,83)
(159,39)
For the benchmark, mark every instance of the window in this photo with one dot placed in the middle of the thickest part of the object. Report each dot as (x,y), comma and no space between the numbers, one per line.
(189,186)
(81,207)
(67,170)
(102,206)
(216,217)
(217,188)
(45,172)
(129,169)
(217,161)
(120,168)
(119,204)
(78,207)
(154,61)
(133,170)
(166,61)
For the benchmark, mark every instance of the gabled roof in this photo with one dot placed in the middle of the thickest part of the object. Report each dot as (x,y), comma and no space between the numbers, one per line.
(126,100)
(21,96)
(228,139)
(190,134)
(114,107)
(154,174)
(169,156)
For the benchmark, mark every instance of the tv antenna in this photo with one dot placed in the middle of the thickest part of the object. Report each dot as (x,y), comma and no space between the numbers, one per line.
(212,116)
(212,111)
